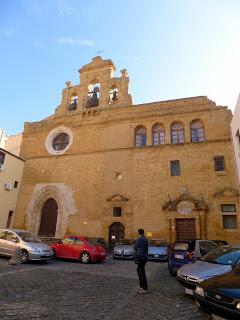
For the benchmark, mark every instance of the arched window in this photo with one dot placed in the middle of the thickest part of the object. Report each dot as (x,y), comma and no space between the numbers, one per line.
(197,131)
(93,94)
(73,102)
(177,133)
(140,137)
(113,94)
(158,134)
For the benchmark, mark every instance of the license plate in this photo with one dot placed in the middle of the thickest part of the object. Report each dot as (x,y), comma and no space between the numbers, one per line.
(179,256)
(156,256)
(215,317)
(189,291)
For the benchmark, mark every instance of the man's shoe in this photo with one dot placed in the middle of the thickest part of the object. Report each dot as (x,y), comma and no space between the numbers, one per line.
(142,291)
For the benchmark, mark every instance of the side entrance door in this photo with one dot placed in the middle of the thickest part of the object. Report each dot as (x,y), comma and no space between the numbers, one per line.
(116,233)
(185,229)
(48,218)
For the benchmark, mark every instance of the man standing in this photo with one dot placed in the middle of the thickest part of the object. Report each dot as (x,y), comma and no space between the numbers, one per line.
(141,248)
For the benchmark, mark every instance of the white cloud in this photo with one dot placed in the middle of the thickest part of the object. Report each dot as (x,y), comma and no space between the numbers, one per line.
(7,32)
(73,41)
(65,9)
(34,7)
(38,44)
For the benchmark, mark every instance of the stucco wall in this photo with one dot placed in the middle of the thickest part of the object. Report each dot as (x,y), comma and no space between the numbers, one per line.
(12,171)
(235,129)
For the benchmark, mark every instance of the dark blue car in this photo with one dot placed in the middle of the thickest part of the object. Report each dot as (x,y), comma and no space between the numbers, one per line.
(187,251)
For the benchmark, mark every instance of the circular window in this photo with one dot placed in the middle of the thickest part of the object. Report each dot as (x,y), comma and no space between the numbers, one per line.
(59,140)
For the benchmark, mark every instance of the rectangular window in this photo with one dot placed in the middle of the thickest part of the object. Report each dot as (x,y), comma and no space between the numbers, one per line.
(2,157)
(9,220)
(15,184)
(219,163)
(175,168)
(229,221)
(117,211)
(228,208)
(238,136)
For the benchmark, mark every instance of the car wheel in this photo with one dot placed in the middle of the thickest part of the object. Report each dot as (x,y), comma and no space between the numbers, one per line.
(24,256)
(85,257)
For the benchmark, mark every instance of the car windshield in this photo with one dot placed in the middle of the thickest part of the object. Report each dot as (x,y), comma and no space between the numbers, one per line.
(126,241)
(184,246)
(157,243)
(220,242)
(93,241)
(225,256)
(28,237)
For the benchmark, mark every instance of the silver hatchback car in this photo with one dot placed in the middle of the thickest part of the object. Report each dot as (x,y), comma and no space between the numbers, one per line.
(32,247)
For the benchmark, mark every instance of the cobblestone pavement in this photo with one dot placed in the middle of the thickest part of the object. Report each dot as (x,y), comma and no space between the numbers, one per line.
(70,290)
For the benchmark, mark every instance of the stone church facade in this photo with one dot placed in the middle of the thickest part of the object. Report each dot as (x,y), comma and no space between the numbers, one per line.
(103,167)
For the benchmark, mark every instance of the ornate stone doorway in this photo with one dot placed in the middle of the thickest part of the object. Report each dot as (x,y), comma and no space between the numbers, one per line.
(116,233)
(185,229)
(48,218)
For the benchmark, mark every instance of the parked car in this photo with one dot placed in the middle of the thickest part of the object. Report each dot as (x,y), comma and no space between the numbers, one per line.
(187,251)
(218,261)
(124,249)
(219,297)
(31,246)
(158,250)
(80,248)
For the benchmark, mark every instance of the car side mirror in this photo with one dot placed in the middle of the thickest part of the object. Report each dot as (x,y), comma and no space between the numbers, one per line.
(60,242)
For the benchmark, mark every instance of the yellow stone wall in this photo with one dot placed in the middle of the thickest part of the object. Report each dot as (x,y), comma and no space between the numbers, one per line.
(103,146)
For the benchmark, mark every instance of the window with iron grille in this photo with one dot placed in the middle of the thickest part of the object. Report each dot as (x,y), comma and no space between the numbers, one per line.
(229,221)
(158,134)
(61,141)
(228,208)
(177,133)
(2,157)
(219,164)
(117,211)
(9,220)
(175,168)
(238,139)
(140,137)
(197,131)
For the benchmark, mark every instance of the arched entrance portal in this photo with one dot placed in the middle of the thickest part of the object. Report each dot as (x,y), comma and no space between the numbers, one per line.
(48,218)
(116,233)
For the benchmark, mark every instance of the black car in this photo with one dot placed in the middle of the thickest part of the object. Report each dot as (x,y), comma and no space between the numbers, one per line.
(219,296)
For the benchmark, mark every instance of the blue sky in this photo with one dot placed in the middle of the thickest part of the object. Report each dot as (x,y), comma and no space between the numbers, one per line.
(171,49)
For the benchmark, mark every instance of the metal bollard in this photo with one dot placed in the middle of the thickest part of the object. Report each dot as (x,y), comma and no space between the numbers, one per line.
(16,257)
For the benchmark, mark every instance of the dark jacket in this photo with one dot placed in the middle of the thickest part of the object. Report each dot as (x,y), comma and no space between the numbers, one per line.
(141,248)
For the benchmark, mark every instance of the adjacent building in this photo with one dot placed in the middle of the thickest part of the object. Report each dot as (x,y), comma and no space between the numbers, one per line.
(101,166)
(11,169)
(235,130)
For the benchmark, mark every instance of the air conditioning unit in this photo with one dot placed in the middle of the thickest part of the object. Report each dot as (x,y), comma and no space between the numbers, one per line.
(8,186)
(1,167)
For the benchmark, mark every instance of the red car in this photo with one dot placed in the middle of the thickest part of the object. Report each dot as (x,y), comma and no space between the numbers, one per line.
(81,248)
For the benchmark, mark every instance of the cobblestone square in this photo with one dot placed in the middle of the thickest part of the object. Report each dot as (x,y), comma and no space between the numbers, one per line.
(71,290)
